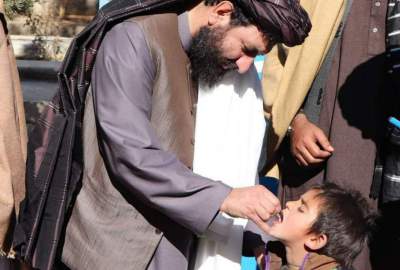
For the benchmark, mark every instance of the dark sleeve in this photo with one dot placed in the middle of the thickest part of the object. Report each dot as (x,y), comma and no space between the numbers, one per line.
(253,237)
(122,89)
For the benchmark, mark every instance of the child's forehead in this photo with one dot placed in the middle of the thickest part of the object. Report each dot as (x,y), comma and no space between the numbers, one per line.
(312,198)
(311,193)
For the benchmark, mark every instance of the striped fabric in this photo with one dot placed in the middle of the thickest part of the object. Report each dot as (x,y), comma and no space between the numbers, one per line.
(393,39)
(390,187)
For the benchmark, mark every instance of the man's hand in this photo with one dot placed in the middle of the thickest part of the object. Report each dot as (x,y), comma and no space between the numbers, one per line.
(309,145)
(256,203)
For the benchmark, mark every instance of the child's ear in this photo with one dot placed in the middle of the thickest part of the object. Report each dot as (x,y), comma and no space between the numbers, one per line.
(316,241)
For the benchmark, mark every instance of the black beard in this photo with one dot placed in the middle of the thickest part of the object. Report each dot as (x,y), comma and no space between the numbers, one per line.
(208,64)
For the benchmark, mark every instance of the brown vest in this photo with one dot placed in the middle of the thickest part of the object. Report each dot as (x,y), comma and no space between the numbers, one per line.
(173,93)
(105,231)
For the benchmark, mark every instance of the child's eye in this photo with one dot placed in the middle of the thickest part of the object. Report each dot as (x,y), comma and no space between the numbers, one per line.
(300,209)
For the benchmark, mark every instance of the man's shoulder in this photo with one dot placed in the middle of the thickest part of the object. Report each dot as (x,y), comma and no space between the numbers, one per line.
(134,25)
(161,17)
(159,30)
(154,27)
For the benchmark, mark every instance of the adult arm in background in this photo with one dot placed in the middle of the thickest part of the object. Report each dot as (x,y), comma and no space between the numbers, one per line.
(122,89)
(309,145)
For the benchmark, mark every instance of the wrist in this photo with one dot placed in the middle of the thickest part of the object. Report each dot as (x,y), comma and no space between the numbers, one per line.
(225,203)
(299,117)
(222,208)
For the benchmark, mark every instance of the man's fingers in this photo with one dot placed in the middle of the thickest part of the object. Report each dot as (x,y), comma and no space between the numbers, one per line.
(264,211)
(251,201)
(269,207)
(314,149)
(272,198)
(323,141)
(301,160)
(260,223)
(266,203)
(309,158)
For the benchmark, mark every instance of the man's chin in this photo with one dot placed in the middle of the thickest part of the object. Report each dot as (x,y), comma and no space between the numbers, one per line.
(214,76)
(210,81)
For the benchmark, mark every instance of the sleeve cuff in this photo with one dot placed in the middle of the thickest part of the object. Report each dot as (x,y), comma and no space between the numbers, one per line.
(213,203)
(219,228)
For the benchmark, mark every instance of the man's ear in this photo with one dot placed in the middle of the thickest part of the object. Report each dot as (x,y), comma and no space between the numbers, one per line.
(316,241)
(220,14)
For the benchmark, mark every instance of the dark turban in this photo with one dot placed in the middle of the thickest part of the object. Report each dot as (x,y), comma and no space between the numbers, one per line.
(285,21)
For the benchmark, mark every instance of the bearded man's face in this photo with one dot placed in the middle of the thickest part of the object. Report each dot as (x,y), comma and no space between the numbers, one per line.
(207,61)
(215,51)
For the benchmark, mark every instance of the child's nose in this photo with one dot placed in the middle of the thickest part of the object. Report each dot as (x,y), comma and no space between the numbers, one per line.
(289,204)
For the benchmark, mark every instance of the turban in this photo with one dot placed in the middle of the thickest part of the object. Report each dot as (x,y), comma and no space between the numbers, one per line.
(284,21)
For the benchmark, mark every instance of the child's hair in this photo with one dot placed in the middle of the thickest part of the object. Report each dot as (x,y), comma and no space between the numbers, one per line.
(346,219)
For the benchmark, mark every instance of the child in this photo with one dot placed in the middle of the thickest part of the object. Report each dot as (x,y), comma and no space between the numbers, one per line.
(323,230)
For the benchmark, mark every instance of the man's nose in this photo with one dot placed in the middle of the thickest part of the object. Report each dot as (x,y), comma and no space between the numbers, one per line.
(244,63)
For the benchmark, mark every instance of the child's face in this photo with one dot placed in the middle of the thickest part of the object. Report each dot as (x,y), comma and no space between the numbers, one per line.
(298,217)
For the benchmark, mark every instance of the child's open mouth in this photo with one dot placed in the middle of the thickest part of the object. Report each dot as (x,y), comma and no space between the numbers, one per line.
(276,218)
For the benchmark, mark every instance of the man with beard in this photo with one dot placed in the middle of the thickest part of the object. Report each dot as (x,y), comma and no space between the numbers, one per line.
(140,205)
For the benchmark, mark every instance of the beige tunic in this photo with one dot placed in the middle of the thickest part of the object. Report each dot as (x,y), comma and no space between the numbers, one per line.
(13,138)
